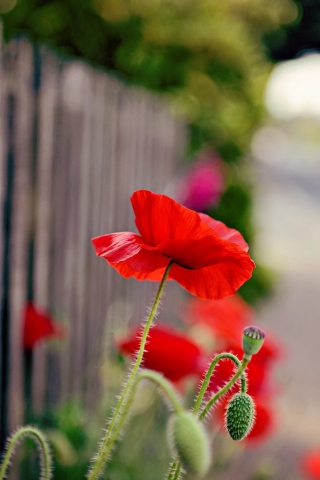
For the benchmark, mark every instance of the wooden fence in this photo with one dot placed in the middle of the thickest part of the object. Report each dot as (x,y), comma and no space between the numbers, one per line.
(74,144)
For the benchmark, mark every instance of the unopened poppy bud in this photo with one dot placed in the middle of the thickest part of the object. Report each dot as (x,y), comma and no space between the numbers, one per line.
(189,442)
(240,416)
(252,340)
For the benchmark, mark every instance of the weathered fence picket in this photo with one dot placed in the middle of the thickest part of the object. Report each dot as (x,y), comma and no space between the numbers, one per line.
(74,143)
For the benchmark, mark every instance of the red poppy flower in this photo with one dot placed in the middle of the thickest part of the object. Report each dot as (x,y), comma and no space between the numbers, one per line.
(210,260)
(38,326)
(264,420)
(311,464)
(168,351)
(226,318)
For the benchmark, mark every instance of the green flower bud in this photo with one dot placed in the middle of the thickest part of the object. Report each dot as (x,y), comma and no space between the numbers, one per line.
(252,340)
(189,442)
(240,416)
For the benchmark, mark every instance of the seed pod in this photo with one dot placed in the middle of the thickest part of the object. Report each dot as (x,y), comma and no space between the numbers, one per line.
(239,417)
(252,340)
(189,442)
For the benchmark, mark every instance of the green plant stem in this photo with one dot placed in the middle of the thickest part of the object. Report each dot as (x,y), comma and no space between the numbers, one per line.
(160,381)
(165,385)
(121,411)
(44,451)
(209,373)
(174,471)
(224,389)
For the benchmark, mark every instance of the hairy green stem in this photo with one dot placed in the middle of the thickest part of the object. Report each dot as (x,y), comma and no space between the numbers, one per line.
(160,381)
(165,385)
(224,389)
(43,447)
(175,468)
(174,471)
(209,373)
(121,411)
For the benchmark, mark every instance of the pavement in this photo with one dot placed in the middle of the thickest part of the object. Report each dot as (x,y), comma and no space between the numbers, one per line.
(287,218)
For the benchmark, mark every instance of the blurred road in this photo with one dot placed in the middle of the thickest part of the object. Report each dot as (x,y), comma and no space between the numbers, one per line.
(288,221)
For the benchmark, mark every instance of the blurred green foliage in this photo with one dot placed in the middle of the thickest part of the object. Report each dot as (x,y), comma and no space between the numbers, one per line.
(74,436)
(206,59)
(205,56)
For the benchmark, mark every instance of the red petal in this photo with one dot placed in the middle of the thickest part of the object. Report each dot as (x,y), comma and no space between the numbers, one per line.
(311,464)
(226,317)
(264,422)
(39,325)
(168,351)
(225,232)
(126,252)
(218,280)
(159,218)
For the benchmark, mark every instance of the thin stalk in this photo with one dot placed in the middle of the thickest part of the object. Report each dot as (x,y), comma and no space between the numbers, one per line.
(120,412)
(175,468)
(224,389)
(44,451)
(166,386)
(174,471)
(157,378)
(209,373)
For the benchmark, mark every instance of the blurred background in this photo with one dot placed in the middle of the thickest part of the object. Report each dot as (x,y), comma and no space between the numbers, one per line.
(216,105)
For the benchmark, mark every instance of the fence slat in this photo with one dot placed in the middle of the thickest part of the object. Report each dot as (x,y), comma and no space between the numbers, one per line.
(83,142)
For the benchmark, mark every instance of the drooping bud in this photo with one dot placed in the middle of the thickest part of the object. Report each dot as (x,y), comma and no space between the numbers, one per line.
(189,441)
(239,417)
(252,340)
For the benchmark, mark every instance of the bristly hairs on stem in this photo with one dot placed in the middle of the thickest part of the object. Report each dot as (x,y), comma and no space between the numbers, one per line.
(206,409)
(206,380)
(121,411)
(167,390)
(175,471)
(201,409)
(43,449)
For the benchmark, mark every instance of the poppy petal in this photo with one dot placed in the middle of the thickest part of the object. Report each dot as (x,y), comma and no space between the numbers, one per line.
(159,218)
(169,351)
(128,248)
(38,325)
(199,253)
(225,232)
(216,281)
(311,464)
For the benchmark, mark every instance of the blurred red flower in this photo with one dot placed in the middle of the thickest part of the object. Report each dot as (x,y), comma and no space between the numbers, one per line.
(264,421)
(201,186)
(311,464)
(226,318)
(38,325)
(210,260)
(169,351)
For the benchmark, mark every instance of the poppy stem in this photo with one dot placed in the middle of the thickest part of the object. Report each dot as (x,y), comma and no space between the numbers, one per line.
(224,389)
(159,380)
(209,373)
(165,385)
(44,451)
(120,413)
(174,471)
